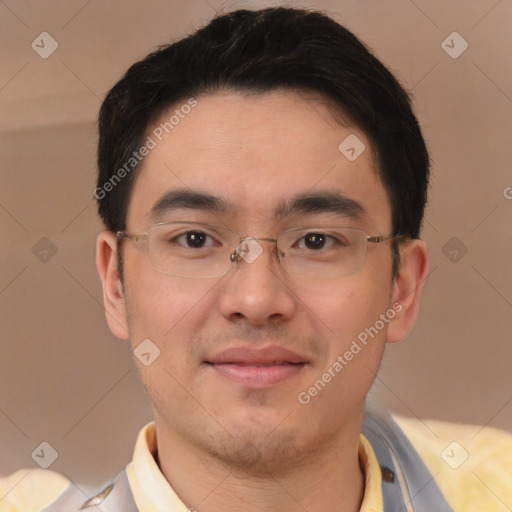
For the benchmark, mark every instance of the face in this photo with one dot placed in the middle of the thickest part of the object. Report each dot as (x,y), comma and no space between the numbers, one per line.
(240,354)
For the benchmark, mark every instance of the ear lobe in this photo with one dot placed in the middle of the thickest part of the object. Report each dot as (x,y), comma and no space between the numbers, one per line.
(407,289)
(113,293)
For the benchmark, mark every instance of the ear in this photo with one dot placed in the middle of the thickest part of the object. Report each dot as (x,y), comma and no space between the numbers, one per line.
(113,294)
(407,288)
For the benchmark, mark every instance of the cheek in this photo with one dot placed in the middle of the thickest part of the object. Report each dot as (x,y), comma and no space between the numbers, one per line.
(160,307)
(345,316)
(342,310)
(169,311)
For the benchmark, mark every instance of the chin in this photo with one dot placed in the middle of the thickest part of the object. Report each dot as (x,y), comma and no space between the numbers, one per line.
(262,451)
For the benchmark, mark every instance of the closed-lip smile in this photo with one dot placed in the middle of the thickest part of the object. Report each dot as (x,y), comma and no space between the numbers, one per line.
(261,367)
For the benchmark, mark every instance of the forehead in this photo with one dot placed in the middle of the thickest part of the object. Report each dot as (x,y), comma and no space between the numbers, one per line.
(255,153)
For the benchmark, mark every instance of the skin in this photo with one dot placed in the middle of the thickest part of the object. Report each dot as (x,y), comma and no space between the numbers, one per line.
(221,445)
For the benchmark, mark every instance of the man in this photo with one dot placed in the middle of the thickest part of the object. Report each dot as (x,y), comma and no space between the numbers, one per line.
(263,183)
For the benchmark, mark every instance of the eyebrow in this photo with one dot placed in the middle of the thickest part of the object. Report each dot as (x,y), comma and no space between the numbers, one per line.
(189,199)
(319,202)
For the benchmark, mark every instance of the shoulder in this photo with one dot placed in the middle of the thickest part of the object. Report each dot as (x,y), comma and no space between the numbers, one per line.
(30,490)
(471,464)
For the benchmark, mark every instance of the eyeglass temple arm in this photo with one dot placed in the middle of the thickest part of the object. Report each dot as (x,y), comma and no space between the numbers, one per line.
(135,238)
(377,239)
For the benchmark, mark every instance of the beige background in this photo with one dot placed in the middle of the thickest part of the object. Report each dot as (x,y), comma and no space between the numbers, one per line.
(66,380)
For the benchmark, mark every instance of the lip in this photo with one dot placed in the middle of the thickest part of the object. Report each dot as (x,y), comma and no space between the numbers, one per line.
(257,367)
(251,356)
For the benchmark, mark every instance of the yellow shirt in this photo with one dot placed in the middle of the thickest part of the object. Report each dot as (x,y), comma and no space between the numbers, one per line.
(472,466)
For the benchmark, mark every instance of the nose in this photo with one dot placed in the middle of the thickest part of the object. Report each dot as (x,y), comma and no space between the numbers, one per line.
(257,288)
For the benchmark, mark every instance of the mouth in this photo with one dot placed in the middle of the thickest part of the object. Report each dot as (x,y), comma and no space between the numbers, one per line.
(257,368)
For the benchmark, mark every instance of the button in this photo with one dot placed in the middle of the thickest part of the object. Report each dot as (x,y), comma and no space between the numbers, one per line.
(387,475)
(99,498)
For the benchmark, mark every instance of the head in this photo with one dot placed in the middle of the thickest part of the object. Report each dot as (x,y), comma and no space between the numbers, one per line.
(242,125)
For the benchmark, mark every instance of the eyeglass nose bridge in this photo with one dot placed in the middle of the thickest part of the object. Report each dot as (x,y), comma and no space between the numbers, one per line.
(249,249)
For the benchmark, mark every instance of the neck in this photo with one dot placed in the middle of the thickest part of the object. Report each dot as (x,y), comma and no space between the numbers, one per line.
(329,479)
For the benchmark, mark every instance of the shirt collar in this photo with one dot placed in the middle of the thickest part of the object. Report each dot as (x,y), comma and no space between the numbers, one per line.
(153,493)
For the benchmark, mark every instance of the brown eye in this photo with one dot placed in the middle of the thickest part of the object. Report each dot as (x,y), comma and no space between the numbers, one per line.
(195,238)
(315,240)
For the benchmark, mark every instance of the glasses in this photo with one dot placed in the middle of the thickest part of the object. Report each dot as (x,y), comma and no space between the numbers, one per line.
(191,249)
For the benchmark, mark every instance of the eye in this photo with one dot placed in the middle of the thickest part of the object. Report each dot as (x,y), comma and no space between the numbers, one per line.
(194,240)
(315,241)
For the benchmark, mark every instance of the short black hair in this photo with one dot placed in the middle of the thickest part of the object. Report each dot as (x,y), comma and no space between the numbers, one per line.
(256,52)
